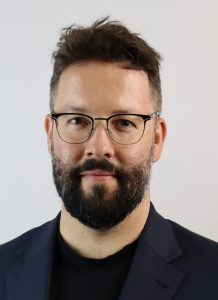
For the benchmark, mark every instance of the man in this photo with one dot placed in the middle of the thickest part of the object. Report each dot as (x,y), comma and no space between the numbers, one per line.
(104,132)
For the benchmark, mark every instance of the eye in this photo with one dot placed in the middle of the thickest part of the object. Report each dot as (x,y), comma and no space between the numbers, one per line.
(78,121)
(123,125)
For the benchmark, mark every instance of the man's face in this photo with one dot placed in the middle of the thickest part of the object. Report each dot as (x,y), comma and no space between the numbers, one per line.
(99,181)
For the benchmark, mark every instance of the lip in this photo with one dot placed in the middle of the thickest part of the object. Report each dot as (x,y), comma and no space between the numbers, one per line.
(99,173)
(98,176)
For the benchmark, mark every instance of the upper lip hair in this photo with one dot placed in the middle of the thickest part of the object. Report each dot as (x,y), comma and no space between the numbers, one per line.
(97,173)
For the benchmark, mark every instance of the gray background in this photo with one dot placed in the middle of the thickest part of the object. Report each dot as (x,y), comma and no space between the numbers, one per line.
(184,182)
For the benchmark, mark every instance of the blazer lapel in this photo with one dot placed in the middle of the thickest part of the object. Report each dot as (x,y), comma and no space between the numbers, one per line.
(30,278)
(151,275)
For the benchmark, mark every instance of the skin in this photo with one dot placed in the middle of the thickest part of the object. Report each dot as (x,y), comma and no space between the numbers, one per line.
(100,90)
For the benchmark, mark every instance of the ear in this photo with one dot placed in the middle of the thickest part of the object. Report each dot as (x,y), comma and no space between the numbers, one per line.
(48,128)
(160,136)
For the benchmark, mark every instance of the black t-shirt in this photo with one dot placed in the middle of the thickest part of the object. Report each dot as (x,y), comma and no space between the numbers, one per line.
(78,278)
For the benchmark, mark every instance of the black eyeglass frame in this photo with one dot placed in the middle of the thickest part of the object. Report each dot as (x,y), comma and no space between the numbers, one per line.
(145,118)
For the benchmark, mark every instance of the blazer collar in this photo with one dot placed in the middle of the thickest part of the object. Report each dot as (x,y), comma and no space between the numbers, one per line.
(151,275)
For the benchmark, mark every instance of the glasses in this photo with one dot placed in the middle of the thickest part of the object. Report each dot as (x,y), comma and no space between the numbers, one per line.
(124,129)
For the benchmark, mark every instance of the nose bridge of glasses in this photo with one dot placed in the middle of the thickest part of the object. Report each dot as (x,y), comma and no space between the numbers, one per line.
(100,119)
(103,126)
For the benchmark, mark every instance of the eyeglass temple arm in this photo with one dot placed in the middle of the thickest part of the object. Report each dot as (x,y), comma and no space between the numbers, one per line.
(156,114)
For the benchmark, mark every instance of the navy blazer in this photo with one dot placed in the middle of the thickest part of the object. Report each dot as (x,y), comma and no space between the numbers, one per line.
(170,262)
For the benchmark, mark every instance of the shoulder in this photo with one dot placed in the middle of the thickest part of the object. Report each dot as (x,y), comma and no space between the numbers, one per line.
(28,242)
(198,261)
(192,239)
(197,249)
(23,238)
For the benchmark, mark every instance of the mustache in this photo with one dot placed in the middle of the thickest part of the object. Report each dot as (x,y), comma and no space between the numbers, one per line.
(93,164)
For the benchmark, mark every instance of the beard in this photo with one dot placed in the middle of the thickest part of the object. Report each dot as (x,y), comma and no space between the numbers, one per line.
(100,208)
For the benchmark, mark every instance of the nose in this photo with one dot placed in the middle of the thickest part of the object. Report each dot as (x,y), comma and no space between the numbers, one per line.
(99,145)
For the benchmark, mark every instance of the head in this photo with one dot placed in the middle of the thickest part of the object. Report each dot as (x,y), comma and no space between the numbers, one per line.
(100,71)
(106,41)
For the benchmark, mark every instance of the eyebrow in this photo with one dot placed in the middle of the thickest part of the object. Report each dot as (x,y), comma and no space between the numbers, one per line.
(125,111)
(73,108)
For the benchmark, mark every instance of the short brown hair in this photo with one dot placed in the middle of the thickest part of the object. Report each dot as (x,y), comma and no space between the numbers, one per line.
(106,41)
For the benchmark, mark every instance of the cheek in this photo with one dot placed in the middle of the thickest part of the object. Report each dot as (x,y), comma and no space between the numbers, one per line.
(68,153)
(136,153)
(140,151)
(132,155)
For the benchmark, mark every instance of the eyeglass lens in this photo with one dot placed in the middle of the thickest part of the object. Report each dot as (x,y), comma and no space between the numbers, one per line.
(123,129)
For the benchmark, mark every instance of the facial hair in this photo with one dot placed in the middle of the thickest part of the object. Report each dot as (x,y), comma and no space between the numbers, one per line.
(101,209)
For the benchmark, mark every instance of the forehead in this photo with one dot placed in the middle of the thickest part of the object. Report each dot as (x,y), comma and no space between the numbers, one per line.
(103,88)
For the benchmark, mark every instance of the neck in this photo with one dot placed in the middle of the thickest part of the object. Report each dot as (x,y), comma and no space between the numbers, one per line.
(98,244)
